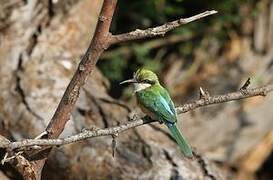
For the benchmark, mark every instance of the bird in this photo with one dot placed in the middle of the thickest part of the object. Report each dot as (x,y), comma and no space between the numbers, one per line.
(155,101)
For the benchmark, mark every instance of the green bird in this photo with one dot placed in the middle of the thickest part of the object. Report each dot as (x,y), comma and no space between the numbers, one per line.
(154,100)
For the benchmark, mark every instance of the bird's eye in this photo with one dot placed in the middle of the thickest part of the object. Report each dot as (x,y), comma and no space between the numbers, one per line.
(147,81)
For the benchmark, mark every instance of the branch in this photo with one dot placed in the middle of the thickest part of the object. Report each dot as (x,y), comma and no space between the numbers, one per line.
(127,51)
(63,112)
(203,101)
(98,44)
(159,30)
(241,94)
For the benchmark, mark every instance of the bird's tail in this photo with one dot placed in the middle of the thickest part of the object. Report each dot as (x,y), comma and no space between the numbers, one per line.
(181,141)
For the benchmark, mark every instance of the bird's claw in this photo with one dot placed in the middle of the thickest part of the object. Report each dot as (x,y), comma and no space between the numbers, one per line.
(160,122)
(133,117)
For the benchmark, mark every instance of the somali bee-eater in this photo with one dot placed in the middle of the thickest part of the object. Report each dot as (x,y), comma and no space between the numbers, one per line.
(154,100)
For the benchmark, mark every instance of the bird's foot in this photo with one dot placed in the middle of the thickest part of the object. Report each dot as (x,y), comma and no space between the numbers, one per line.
(160,122)
(133,117)
(148,119)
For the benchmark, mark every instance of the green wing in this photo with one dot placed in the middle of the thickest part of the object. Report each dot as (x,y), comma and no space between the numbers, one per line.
(165,94)
(158,101)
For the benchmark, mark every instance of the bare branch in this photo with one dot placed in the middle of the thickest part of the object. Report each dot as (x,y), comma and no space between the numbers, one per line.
(112,131)
(261,91)
(98,44)
(159,30)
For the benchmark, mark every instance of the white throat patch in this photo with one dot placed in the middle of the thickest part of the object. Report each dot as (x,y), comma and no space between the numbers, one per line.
(141,86)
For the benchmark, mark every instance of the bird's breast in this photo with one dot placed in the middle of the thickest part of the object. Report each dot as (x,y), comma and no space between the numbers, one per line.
(146,111)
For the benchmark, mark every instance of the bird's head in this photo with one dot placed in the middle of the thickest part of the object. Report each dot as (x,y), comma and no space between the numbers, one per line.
(142,79)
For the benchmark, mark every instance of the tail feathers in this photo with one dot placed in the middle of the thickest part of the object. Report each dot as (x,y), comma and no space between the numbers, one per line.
(181,141)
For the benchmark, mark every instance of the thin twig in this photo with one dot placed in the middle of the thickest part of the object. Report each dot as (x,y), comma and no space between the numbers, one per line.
(127,51)
(246,84)
(159,30)
(261,91)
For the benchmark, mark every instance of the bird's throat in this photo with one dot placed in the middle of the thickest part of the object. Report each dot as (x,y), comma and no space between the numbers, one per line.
(141,86)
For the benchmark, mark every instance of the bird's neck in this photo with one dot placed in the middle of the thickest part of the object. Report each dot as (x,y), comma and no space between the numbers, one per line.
(144,86)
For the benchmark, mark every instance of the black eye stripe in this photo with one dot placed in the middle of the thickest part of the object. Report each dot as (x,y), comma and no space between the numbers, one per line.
(147,81)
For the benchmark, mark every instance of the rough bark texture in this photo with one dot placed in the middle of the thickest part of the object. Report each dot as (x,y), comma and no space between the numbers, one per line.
(38,56)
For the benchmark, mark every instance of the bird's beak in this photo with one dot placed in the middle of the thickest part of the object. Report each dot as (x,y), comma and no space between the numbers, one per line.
(128,81)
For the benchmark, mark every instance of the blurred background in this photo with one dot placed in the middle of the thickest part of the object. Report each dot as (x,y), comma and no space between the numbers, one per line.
(41,43)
